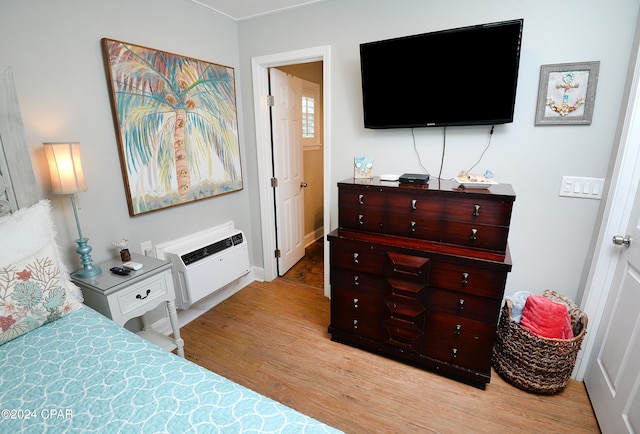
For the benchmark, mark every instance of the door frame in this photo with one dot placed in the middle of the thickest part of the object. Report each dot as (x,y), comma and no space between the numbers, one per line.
(260,72)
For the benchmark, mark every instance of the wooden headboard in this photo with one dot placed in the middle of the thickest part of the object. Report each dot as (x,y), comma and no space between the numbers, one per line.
(17,183)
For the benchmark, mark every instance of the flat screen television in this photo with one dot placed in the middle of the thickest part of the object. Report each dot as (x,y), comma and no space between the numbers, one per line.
(464,76)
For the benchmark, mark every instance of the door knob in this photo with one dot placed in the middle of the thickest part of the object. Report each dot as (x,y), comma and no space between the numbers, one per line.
(619,240)
(303,185)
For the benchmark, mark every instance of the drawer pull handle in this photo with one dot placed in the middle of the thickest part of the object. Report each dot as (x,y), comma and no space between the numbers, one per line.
(454,353)
(360,219)
(461,304)
(139,297)
(465,278)
(355,302)
(458,330)
(355,323)
(413,227)
(356,280)
(361,199)
(414,202)
(476,210)
(474,233)
(355,258)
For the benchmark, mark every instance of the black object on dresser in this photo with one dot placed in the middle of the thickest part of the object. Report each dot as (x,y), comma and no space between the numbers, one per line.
(418,272)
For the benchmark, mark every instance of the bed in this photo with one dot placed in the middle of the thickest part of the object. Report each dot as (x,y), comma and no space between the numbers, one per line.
(66,368)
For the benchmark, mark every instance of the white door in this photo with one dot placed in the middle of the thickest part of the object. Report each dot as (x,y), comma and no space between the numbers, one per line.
(286,125)
(612,375)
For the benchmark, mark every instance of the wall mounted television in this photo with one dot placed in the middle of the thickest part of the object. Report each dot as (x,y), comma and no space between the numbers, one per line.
(464,76)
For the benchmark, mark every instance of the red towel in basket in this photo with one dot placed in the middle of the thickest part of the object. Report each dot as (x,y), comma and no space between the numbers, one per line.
(546,318)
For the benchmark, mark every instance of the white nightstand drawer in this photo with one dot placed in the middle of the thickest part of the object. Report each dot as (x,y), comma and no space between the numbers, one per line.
(142,295)
(122,298)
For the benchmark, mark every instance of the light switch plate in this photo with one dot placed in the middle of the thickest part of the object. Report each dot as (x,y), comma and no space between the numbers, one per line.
(580,186)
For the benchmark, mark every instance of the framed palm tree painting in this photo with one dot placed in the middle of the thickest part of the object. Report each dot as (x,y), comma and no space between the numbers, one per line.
(176,126)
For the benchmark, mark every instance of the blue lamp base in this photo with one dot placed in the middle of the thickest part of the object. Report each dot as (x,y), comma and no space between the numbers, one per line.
(88,269)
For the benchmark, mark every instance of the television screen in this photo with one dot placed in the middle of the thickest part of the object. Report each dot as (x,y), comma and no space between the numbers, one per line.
(464,76)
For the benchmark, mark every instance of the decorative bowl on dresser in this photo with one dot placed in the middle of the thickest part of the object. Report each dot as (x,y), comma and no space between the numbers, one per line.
(418,272)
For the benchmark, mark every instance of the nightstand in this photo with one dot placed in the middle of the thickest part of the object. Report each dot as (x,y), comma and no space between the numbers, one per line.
(124,297)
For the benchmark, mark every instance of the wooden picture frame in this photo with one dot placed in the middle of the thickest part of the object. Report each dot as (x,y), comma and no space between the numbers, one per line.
(566,93)
(176,126)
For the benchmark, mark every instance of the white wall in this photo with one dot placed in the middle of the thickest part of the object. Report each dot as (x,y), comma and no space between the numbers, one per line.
(54,51)
(550,235)
(53,48)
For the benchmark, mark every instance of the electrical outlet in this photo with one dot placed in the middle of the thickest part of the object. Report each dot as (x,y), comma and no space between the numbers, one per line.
(580,186)
(146,248)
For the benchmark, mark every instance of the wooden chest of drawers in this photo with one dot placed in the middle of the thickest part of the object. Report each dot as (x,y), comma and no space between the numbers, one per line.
(418,273)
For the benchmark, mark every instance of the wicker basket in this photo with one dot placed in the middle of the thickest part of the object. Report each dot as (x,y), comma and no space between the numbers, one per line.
(532,362)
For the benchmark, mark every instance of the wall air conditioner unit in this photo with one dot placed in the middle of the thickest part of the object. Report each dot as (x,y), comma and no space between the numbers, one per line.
(206,261)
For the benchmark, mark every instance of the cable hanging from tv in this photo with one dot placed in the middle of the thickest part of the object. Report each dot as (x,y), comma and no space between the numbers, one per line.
(484,151)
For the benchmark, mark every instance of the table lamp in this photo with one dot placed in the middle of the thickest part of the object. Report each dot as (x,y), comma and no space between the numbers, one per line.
(67,178)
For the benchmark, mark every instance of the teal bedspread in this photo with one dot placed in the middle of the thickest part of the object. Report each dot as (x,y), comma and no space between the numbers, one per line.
(83,373)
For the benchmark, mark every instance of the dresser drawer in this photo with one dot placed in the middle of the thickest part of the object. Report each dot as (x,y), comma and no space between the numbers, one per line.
(403,334)
(143,296)
(414,226)
(356,281)
(362,219)
(423,205)
(478,211)
(459,341)
(358,313)
(463,305)
(469,280)
(475,236)
(361,198)
(357,256)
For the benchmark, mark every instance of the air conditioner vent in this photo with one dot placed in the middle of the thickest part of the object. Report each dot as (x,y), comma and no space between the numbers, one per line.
(203,252)
(206,261)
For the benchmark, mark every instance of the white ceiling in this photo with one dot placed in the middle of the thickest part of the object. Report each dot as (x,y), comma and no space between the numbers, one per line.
(243,9)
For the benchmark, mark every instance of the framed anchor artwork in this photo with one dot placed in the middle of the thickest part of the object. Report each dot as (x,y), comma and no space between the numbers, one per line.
(566,93)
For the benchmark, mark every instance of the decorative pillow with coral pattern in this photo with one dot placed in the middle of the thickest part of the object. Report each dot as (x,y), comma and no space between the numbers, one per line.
(32,293)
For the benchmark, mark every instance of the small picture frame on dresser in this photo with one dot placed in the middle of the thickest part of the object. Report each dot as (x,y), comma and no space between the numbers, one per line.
(363,167)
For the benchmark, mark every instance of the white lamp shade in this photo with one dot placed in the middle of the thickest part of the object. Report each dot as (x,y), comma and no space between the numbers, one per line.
(65,167)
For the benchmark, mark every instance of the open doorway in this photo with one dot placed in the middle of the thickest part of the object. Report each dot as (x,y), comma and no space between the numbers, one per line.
(260,66)
(309,270)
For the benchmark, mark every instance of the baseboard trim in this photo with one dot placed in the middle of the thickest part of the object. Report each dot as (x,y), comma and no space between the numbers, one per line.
(314,236)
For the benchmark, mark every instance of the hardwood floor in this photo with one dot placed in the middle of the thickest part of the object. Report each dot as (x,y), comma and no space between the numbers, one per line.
(272,338)
(309,270)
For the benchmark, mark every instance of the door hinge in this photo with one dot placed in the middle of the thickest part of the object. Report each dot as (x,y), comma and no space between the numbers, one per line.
(271,100)
(277,253)
(274,182)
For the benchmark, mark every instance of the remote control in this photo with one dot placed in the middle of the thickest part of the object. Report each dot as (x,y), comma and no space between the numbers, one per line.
(132,265)
(120,271)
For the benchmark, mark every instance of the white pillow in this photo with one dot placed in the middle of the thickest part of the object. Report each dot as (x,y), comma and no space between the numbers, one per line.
(28,230)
